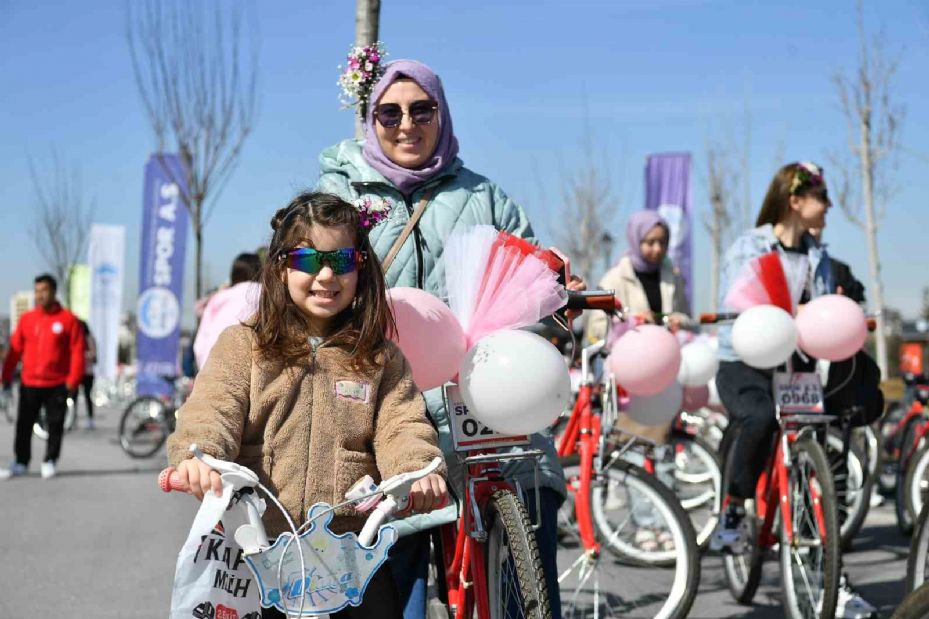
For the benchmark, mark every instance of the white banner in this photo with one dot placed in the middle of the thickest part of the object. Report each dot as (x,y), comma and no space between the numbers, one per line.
(107,265)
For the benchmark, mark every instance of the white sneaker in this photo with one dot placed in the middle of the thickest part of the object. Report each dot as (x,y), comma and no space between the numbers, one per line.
(90,424)
(850,604)
(731,534)
(48,470)
(16,470)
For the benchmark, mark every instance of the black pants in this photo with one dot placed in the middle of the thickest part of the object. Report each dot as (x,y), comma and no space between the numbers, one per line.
(88,386)
(31,401)
(380,600)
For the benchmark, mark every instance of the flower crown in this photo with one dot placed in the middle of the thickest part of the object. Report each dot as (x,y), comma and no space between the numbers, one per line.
(372,212)
(807,175)
(359,76)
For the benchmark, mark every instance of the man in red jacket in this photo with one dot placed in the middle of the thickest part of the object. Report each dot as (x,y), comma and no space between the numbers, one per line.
(50,342)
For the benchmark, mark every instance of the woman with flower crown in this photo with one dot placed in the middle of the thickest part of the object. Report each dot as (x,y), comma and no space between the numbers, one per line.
(408,162)
(796,203)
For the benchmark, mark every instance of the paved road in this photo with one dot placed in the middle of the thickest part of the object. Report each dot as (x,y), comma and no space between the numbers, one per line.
(100,541)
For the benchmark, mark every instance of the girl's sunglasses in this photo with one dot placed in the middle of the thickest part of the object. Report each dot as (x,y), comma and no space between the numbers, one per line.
(309,260)
(390,115)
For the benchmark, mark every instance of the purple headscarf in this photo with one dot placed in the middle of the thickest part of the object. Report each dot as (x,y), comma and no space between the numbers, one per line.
(639,224)
(446,148)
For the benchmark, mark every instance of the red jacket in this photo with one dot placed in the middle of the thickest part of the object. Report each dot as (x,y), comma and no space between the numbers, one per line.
(51,345)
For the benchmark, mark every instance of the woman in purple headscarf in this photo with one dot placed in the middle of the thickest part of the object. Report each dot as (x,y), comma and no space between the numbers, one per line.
(408,161)
(644,279)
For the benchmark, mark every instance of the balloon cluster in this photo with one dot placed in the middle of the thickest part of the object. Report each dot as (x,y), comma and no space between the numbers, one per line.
(831,327)
(512,381)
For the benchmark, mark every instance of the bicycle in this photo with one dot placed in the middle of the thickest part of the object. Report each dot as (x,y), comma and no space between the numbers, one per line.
(488,561)
(148,420)
(796,491)
(315,589)
(610,499)
(917,562)
(912,457)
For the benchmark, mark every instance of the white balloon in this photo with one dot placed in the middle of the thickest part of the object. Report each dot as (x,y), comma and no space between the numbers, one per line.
(764,336)
(658,409)
(698,364)
(515,382)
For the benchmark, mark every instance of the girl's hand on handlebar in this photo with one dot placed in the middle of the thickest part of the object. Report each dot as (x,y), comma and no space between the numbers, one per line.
(646,318)
(199,478)
(428,493)
(577,284)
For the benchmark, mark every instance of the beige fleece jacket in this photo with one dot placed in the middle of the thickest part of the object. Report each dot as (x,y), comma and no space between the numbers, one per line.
(309,432)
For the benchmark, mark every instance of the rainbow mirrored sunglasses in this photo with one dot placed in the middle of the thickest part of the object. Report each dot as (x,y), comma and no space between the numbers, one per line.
(309,260)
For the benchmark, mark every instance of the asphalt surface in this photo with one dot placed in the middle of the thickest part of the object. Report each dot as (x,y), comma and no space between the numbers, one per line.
(100,540)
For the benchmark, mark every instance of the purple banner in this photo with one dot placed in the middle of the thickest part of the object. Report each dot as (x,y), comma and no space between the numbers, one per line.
(667,190)
(161,274)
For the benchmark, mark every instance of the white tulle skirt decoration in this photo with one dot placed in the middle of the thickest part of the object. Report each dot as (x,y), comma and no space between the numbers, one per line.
(496,281)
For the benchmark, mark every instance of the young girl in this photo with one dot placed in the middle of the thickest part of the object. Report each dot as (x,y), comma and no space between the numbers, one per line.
(796,203)
(309,393)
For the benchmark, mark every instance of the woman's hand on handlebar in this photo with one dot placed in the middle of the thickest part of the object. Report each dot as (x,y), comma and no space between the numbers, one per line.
(428,493)
(577,284)
(199,478)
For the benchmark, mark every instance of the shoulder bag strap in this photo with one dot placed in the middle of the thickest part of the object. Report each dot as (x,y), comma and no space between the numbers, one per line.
(414,219)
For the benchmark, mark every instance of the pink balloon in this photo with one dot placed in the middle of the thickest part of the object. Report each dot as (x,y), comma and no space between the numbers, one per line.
(831,327)
(429,336)
(645,360)
(695,398)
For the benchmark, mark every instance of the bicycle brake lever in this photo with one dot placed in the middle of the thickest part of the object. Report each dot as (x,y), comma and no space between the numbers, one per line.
(235,474)
(398,487)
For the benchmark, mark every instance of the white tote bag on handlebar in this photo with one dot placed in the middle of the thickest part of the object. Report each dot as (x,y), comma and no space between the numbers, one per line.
(212,579)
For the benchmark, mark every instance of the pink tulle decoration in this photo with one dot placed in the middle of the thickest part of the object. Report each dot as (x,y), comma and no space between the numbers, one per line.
(769,279)
(496,281)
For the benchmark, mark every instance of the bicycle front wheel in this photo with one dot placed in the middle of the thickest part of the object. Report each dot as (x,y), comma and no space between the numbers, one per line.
(917,563)
(698,482)
(852,482)
(143,428)
(515,580)
(810,558)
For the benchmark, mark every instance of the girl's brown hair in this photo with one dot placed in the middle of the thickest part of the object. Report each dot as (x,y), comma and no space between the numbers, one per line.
(281,328)
(789,182)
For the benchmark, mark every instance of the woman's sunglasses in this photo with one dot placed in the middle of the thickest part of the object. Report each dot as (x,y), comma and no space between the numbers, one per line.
(390,115)
(309,260)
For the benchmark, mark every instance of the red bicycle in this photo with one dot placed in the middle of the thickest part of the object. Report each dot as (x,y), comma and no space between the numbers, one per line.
(615,504)
(795,492)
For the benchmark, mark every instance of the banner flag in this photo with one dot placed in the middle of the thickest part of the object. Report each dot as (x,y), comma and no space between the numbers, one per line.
(79,291)
(161,273)
(106,260)
(667,190)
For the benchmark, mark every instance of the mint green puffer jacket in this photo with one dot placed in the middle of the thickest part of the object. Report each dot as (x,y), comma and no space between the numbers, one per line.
(459,199)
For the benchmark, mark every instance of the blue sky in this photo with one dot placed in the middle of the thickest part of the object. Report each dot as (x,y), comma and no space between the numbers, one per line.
(523,78)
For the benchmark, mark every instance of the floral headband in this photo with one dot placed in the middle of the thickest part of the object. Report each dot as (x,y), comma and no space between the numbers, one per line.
(365,67)
(372,212)
(807,175)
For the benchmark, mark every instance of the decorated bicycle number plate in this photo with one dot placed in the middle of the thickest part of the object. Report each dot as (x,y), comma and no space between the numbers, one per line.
(798,392)
(470,434)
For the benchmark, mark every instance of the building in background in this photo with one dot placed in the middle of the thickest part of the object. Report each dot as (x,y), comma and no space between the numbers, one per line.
(20,303)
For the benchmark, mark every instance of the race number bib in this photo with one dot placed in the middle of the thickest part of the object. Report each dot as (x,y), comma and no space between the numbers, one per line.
(467,432)
(798,392)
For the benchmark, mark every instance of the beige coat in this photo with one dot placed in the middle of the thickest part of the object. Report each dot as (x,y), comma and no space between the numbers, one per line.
(309,432)
(631,293)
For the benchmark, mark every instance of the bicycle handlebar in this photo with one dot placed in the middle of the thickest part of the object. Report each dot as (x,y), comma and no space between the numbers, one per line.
(605,300)
(713,317)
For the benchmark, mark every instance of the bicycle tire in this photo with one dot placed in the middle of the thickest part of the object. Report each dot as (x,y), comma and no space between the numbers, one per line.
(701,508)
(915,605)
(742,571)
(675,601)
(512,556)
(917,561)
(853,497)
(904,515)
(804,452)
(136,422)
(914,489)
(40,427)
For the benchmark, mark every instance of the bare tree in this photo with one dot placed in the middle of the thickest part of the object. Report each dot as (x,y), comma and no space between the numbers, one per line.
(367,27)
(196,71)
(722,183)
(873,129)
(63,219)
(588,210)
